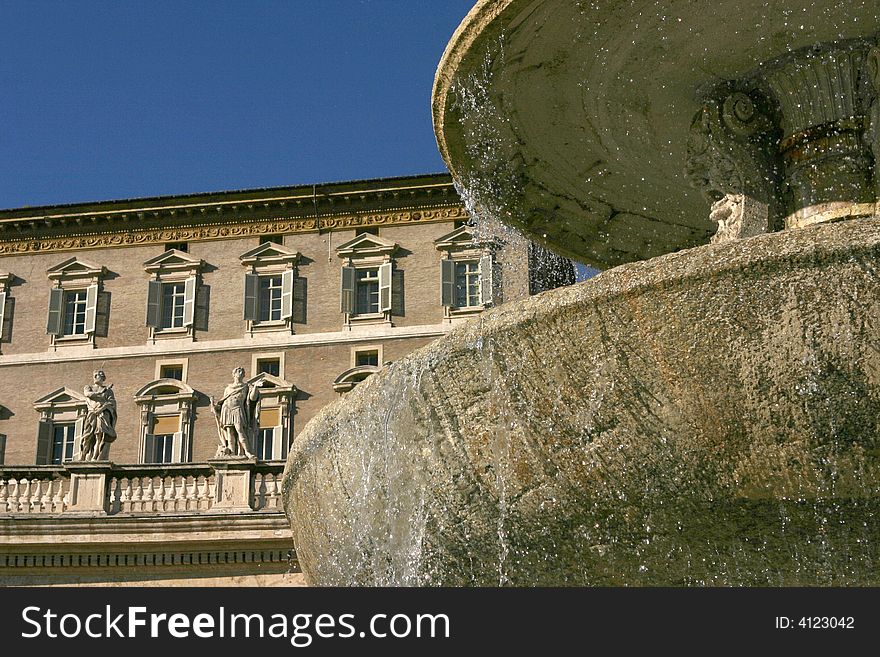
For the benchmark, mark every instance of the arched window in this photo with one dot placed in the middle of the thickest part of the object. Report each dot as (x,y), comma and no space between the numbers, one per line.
(351,377)
(166,411)
(274,417)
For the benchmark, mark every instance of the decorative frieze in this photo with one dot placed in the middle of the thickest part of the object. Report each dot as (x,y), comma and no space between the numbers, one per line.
(74,238)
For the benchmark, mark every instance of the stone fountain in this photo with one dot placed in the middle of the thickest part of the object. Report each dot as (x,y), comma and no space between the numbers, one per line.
(707,411)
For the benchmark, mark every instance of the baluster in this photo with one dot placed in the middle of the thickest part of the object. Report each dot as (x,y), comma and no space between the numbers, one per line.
(211,489)
(125,495)
(115,494)
(160,494)
(48,494)
(137,498)
(4,494)
(57,497)
(36,496)
(24,496)
(192,497)
(273,491)
(171,494)
(202,497)
(148,495)
(12,502)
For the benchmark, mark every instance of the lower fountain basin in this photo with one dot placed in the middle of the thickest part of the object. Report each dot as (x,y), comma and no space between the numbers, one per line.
(708,417)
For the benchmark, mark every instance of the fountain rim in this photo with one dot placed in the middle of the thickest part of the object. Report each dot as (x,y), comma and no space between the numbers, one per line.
(473,27)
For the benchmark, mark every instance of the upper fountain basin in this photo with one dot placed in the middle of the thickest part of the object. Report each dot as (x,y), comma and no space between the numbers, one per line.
(570,119)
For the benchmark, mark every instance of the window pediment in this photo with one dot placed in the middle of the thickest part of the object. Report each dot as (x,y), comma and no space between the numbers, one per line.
(273,386)
(60,399)
(76,270)
(463,239)
(174,262)
(166,389)
(270,255)
(351,377)
(367,246)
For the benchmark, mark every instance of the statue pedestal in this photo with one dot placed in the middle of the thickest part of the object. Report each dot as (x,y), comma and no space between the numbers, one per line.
(233,484)
(88,486)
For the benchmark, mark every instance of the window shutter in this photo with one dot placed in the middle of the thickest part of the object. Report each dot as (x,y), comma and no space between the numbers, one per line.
(149,454)
(398,297)
(447,282)
(91,307)
(177,455)
(154,304)
(486,280)
(348,277)
(2,318)
(44,442)
(2,449)
(385,287)
(189,301)
(300,297)
(276,444)
(77,438)
(203,305)
(56,305)
(251,297)
(287,294)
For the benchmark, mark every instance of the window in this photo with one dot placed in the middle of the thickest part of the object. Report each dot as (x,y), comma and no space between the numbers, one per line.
(171,368)
(166,411)
(272,239)
(269,366)
(75,312)
(274,297)
(173,305)
(73,302)
(370,357)
(270,298)
(171,372)
(60,426)
(367,291)
(467,284)
(183,247)
(161,449)
(177,302)
(367,274)
(466,272)
(63,439)
(2,449)
(276,408)
(265,443)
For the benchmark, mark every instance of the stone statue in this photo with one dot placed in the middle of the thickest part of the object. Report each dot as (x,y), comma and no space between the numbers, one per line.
(729,160)
(237,416)
(99,427)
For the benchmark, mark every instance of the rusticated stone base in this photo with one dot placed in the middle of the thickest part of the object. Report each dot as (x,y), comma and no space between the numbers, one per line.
(704,418)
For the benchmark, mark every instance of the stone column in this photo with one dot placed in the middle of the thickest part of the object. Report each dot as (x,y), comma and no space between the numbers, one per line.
(88,486)
(233,484)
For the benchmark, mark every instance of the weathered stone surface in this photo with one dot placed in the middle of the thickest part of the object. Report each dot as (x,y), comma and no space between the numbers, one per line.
(706,417)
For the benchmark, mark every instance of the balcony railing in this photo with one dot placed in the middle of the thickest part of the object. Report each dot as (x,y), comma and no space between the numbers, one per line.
(107,488)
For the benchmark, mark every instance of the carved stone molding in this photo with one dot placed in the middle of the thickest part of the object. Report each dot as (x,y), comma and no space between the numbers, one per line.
(730,159)
(227,229)
(799,135)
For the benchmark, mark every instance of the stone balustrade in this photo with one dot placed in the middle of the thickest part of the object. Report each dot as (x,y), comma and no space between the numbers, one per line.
(107,488)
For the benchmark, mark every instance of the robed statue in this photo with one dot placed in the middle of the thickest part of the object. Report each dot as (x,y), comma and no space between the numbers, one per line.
(99,425)
(237,416)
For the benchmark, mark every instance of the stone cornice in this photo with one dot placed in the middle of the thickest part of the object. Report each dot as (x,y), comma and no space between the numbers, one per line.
(29,239)
(229,215)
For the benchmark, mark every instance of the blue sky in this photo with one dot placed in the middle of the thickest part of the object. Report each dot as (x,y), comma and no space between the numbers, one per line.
(107,100)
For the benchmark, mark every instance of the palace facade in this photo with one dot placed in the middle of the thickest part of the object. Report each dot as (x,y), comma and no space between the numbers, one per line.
(310,289)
